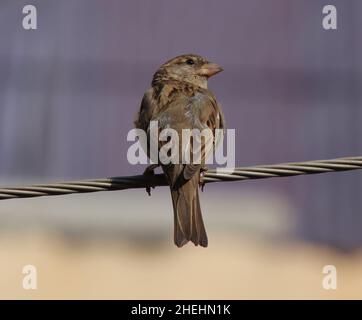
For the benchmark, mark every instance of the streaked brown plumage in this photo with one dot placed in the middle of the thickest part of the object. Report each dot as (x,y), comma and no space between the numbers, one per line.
(179,99)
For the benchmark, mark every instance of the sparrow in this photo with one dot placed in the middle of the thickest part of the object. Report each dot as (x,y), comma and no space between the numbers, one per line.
(180,99)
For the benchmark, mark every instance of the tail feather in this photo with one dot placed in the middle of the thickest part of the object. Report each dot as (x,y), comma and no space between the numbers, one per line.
(199,223)
(188,222)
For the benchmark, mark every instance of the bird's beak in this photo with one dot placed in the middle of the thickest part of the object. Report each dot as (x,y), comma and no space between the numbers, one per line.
(209,69)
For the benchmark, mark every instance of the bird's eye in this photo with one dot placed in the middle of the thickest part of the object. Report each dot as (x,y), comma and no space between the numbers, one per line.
(190,62)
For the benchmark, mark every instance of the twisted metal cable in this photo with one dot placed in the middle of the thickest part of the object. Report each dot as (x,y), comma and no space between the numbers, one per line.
(143,181)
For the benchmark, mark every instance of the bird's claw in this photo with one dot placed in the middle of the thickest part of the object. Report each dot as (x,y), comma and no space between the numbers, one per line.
(202,178)
(148,190)
(150,172)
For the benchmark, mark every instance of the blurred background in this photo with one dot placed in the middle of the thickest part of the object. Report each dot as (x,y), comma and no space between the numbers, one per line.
(68,95)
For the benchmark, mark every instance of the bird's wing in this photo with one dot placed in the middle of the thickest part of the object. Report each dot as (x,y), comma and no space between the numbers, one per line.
(147,110)
(206,113)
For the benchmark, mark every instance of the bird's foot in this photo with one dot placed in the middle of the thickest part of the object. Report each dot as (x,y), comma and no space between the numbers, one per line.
(150,172)
(202,178)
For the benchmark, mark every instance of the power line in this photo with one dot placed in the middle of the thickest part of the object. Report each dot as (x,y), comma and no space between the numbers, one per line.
(142,181)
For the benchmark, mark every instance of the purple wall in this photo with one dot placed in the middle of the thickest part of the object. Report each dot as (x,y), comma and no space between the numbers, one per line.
(69,91)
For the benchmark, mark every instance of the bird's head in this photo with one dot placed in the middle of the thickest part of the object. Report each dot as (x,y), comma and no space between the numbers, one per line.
(189,68)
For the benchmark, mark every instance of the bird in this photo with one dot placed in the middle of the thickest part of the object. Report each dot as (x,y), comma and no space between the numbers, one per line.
(179,98)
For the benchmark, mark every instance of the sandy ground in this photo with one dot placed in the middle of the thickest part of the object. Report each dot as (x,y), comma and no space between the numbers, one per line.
(231,268)
(119,246)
